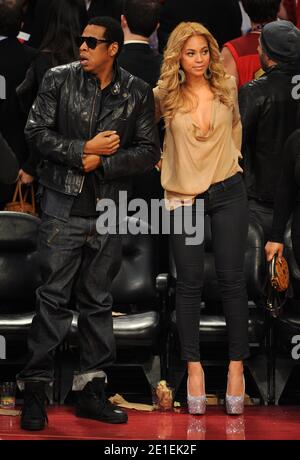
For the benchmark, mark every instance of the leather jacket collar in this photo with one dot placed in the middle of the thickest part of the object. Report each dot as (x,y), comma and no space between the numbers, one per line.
(115,84)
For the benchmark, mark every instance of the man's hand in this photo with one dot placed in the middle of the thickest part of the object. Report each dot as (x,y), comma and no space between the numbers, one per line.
(272,248)
(25,178)
(106,143)
(91,162)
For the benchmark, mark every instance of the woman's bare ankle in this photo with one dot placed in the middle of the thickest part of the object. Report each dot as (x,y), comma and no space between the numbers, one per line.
(196,385)
(235,382)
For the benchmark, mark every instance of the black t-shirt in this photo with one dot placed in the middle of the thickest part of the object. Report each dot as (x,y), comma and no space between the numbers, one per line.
(85,203)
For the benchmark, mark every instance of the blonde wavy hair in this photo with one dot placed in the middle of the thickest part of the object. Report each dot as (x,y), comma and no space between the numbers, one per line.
(176,96)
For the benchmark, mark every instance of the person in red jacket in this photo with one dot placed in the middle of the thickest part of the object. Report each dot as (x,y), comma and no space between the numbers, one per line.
(240,55)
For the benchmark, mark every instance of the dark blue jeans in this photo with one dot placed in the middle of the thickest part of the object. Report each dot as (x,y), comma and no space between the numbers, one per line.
(73,257)
(227,205)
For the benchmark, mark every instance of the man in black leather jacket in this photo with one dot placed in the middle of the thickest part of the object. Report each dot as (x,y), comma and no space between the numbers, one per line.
(269,116)
(93,124)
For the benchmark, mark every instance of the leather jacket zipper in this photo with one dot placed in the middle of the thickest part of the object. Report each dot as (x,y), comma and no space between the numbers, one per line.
(81,185)
(93,109)
(83,178)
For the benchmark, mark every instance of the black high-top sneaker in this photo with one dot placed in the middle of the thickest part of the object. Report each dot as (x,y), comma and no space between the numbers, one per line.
(92,403)
(34,415)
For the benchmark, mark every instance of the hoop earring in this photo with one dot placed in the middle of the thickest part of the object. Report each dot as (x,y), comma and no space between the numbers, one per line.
(181,76)
(208,73)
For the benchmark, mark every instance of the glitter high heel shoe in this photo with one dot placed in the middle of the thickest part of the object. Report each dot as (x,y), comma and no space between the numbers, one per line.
(196,404)
(235,404)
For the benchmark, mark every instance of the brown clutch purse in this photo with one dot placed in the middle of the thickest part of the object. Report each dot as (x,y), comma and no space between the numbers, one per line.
(279,274)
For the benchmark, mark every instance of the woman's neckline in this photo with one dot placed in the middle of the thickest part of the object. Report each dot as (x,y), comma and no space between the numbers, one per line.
(210,129)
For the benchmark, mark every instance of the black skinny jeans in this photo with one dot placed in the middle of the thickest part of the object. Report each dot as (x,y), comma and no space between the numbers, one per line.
(227,205)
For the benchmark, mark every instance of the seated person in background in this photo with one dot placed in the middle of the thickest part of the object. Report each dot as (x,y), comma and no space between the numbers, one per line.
(139,20)
(240,56)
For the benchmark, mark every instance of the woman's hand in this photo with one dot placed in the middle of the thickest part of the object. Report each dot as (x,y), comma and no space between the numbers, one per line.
(158,165)
(25,178)
(272,248)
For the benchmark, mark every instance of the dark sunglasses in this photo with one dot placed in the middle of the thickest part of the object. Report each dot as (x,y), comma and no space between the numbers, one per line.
(91,42)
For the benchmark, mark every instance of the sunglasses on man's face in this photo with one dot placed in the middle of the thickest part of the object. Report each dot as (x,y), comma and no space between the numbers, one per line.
(91,42)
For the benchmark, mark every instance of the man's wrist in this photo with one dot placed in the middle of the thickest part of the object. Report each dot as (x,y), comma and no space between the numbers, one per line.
(87,148)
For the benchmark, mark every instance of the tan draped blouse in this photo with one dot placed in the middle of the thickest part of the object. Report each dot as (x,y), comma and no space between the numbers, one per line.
(193,161)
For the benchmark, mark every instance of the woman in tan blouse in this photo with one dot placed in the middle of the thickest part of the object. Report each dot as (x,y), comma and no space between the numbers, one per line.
(198,102)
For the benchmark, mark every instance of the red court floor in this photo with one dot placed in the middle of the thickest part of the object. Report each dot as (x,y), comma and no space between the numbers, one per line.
(257,423)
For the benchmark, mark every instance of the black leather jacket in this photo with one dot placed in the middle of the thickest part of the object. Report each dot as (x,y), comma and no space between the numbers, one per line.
(64,117)
(269,116)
